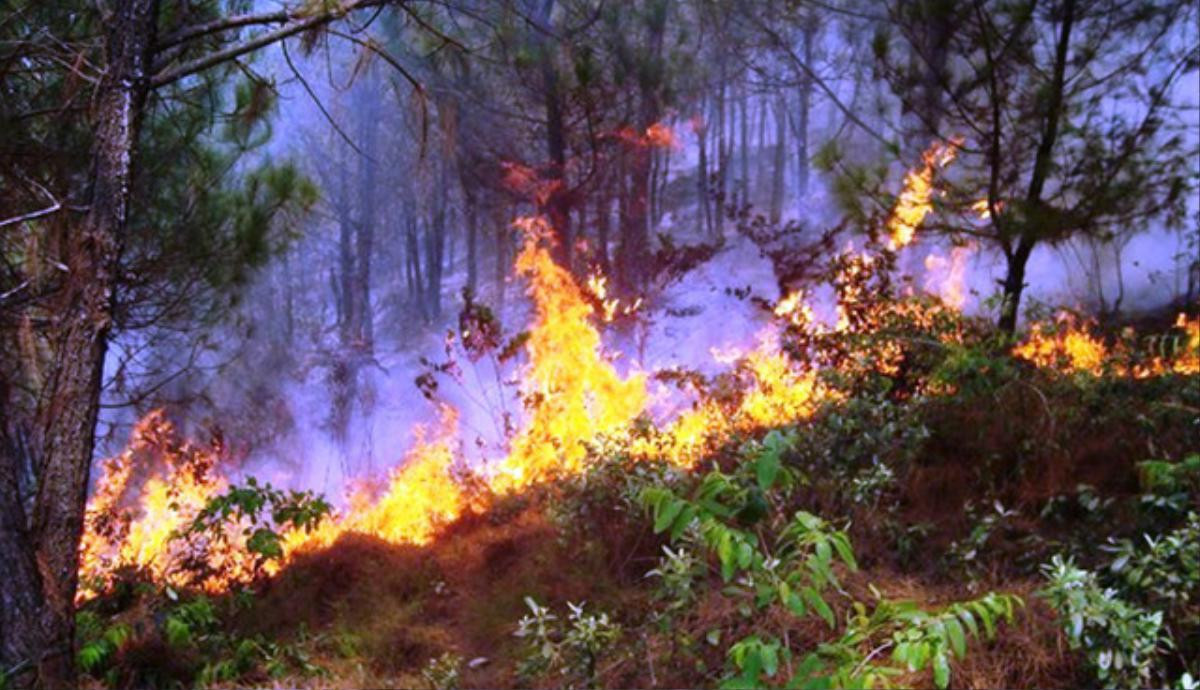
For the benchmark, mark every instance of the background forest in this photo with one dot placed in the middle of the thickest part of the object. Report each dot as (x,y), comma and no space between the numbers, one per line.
(811,343)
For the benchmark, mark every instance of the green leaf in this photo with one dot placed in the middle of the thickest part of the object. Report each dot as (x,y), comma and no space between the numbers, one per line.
(842,544)
(818,604)
(726,554)
(766,469)
(770,659)
(681,523)
(941,670)
(667,516)
(795,604)
(824,553)
(985,616)
(745,555)
(954,632)
(178,632)
(265,542)
(968,619)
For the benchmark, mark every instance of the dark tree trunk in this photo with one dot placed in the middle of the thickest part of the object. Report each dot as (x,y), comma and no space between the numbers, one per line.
(557,206)
(416,285)
(37,625)
(744,147)
(779,165)
(500,222)
(722,182)
(364,327)
(634,247)
(938,19)
(345,280)
(702,175)
(803,113)
(603,227)
(1014,281)
(435,249)
(1014,285)
(26,624)
(472,218)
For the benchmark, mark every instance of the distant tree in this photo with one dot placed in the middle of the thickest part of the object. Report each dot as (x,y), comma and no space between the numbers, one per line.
(1065,109)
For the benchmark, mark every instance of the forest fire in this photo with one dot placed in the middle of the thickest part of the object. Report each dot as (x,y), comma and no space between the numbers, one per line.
(420,496)
(367,343)
(1070,345)
(178,479)
(572,395)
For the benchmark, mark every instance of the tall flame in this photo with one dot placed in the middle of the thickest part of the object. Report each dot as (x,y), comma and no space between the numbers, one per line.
(574,394)
(915,200)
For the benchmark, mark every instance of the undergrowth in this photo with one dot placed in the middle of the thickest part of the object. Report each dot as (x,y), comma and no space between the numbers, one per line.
(953,515)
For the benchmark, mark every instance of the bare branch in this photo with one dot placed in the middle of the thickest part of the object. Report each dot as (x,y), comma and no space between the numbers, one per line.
(54,206)
(300,25)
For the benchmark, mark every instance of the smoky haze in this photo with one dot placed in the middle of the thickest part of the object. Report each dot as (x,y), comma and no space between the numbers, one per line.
(423,152)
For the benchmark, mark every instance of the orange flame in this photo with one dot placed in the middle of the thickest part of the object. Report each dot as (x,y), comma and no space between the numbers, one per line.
(181,482)
(1070,346)
(421,496)
(915,200)
(573,393)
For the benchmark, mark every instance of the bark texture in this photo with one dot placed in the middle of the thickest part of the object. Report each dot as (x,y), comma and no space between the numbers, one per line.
(38,619)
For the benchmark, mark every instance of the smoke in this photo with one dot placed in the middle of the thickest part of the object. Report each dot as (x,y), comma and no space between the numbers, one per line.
(268,379)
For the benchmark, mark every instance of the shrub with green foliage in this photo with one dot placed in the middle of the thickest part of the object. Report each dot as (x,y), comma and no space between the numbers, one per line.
(261,512)
(1120,639)
(767,559)
(572,649)
(193,628)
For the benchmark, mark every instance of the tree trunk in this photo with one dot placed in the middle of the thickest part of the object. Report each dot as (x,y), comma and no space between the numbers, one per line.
(472,218)
(635,240)
(779,164)
(744,147)
(37,624)
(416,284)
(435,249)
(500,221)
(722,181)
(556,207)
(1014,282)
(345,281)
(803,112)
(702,175)
(603,227)
(1014,285)
(364,327)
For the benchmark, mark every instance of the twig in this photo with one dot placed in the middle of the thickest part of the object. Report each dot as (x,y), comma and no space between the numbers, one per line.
(33,215)
(320,106)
